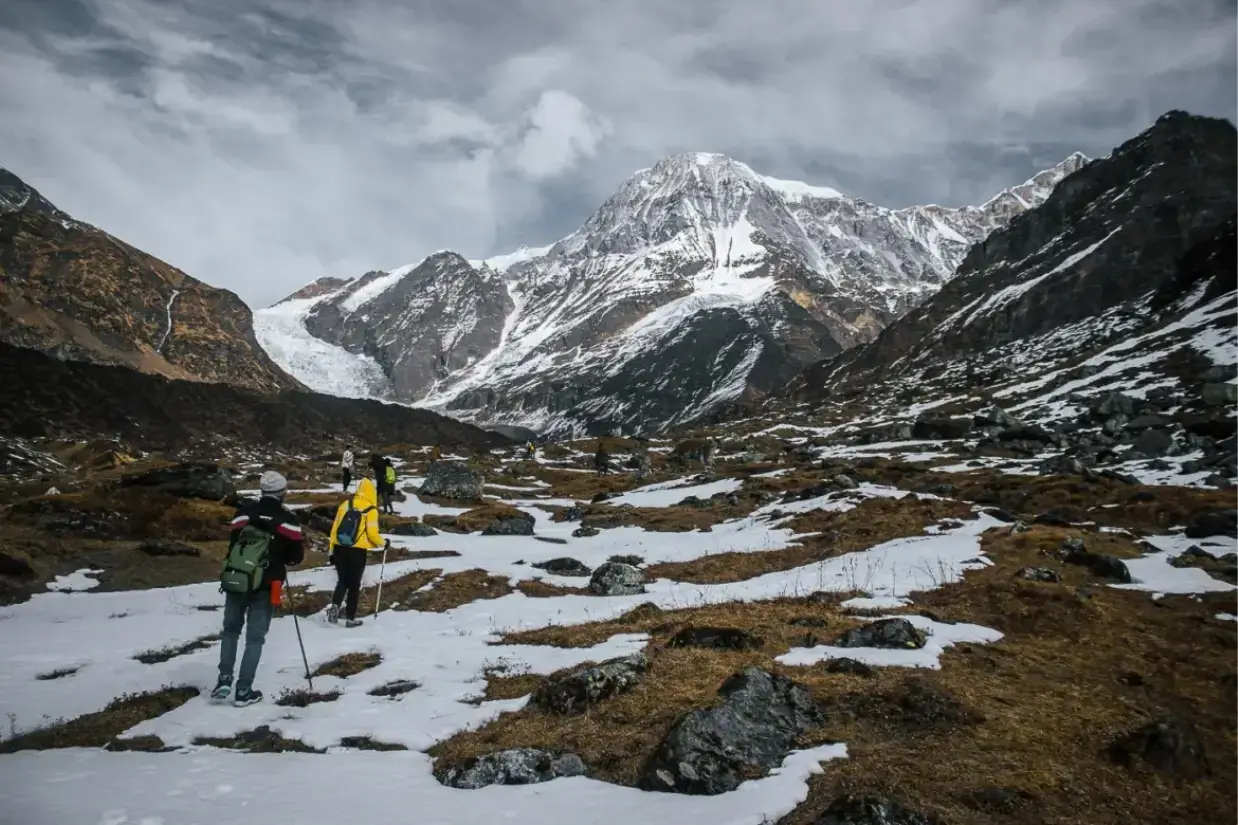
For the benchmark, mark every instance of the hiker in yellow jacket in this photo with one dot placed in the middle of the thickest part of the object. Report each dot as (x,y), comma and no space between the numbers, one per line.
(354,533)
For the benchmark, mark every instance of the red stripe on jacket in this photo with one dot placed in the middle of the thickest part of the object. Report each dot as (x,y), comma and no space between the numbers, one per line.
(289,531)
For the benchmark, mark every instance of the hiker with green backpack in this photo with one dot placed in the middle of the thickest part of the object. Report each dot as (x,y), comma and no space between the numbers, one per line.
(354,533)
(266,540)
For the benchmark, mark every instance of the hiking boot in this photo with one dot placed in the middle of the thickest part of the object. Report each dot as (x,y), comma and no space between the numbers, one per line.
(353,623)
(333,613)
(221,692)
(247,697)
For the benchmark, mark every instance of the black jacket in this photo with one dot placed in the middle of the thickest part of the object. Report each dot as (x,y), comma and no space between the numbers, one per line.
(270,514)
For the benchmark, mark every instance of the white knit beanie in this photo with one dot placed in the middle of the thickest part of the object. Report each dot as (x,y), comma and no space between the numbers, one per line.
(273,484)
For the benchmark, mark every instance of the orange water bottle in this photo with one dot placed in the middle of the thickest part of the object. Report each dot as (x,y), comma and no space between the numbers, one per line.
(277,590)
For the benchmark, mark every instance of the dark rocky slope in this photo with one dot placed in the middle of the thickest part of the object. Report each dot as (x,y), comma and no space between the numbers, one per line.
(46,397)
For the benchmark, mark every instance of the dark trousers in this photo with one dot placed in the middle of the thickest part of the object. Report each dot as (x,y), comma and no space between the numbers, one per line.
(253,612)
(349,567)
(384,496)
(347,473)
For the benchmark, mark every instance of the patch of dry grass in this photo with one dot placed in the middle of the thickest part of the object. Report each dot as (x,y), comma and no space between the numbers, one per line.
(94,730)
(349,664)
(538,589)
(166,654)
(396,595)
(457,589)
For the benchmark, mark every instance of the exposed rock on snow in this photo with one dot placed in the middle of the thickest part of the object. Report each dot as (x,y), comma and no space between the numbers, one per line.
(518,766)
(887,633)
(710,751)
(613,579)
(565,567)
(453,480)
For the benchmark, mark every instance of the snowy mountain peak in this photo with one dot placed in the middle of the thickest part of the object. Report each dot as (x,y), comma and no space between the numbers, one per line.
(698,282)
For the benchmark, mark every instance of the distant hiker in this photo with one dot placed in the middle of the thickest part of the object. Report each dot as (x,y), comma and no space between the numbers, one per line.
(378,467)
(347,466)
(354,533)
(601,460)
(387,490)
(266,540)
(530,451)
(436,454)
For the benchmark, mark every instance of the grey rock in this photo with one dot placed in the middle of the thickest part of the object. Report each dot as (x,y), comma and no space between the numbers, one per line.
(518,766)
(572,514)
(1115,403)
(14,567)
(577,691)
(1153,443)
(414,528)
(887,633)
(870,810)
(844,482)
(585,532)
(715,638)
(613,579)
(191,480)
(1100,564)
(1219,395)
(712,751)
(1169,746)
(1214,523)
(934,427)
(551,539)
(518,523)
(1145,422)
(565,567)
(851,667)
(453,480)
(1038,574)
(994,417)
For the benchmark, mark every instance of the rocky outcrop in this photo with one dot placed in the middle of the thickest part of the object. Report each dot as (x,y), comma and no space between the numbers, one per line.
(871,810)
(711,751)
(518,766)
(197,480)
(75,292)
(613,579)
(1170,746)
(453,480)
(887,633)
(578,690)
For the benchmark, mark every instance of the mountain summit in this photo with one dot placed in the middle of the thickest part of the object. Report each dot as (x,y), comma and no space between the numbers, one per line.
(699,282)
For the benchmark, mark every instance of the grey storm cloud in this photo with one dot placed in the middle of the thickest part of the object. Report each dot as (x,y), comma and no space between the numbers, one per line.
(259,145)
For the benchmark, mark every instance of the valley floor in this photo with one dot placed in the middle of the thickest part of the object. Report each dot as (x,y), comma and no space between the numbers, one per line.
(1004,707)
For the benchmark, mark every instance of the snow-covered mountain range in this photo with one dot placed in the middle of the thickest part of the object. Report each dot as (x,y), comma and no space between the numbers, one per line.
(698,283)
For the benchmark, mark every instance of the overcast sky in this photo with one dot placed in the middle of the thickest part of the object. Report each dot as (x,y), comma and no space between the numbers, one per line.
(260,144)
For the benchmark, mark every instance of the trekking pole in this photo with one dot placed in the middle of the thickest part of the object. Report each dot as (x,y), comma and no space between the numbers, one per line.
(382,568)
(292,607)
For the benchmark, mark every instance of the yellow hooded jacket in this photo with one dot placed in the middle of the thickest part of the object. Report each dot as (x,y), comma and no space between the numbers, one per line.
(366,498)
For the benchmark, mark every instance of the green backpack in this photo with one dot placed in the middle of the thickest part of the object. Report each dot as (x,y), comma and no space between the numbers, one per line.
(247,561)
(390,475)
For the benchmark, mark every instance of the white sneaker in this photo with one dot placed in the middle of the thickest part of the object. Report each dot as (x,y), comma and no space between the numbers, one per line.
(333,613)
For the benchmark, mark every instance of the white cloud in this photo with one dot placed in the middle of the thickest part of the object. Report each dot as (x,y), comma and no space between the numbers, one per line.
(259,144)
(562,130)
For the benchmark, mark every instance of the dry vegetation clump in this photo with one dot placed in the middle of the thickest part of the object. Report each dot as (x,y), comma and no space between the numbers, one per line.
(304,697)
(349,664)
(503,685)
(396,594)
(874,521)
(457,589)
(479,518)
(259,740)
(538,589)
(165,654)
(94,730)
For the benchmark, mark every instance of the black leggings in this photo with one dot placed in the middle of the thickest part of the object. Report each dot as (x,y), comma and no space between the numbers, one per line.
(350,567)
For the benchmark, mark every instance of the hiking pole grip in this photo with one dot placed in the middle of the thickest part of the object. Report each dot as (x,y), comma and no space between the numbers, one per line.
(292,608)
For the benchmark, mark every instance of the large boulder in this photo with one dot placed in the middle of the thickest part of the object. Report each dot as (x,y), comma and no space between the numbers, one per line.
(515,523)
(1114,404)
(190,480)
(1220,395)
(451,479)
(1215,523)
(931,427)
(518,766)
(888,633)
(711,751)
(411,528)
(1099,564)
(1170,746)
(613,579)
(577,691)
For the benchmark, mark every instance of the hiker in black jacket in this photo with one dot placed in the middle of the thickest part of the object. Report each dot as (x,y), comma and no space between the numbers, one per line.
(254,610)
